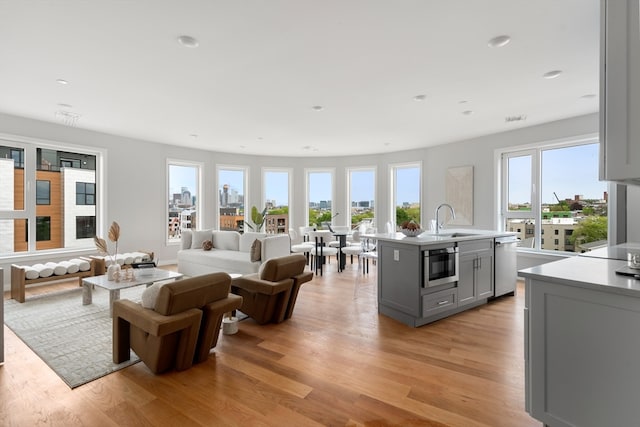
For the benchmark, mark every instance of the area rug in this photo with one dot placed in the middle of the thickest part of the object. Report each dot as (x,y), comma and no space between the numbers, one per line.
(73,339)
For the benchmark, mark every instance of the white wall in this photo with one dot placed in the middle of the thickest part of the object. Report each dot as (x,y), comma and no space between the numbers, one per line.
(135,176)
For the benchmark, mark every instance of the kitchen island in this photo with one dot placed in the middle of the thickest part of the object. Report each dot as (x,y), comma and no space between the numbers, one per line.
(426,278)
(582,342)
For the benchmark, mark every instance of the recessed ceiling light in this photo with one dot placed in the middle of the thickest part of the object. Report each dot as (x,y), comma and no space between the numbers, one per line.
(317,108)
(588,96)
(65,105)
(462,102)
(499,41)
(467,112)
(552,74)
(62,82)
(419,97)
(188,41)
(193,135)
(519,118)
(386,144)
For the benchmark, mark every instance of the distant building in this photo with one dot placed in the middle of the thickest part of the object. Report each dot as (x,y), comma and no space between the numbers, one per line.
(277,224)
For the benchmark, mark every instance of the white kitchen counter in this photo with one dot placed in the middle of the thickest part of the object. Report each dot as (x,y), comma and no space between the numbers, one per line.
(445,236)
(584,272)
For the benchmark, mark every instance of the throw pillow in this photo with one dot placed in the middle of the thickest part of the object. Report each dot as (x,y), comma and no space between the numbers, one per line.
(207,245)
(199,236)
(256,251)
(150,295)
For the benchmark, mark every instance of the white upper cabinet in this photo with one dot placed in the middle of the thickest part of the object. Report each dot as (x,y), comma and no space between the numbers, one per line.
(620,91)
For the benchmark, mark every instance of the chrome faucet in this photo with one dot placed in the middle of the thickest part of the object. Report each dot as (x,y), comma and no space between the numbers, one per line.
(453,216)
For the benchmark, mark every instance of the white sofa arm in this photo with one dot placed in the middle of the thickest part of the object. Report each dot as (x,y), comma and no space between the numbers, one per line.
(275,247)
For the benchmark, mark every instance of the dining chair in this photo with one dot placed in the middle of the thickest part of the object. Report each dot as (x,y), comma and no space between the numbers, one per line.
(298,246)
(354,247)
(321,252)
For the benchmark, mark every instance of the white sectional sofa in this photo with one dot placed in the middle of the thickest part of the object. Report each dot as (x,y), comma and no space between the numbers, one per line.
(231,251)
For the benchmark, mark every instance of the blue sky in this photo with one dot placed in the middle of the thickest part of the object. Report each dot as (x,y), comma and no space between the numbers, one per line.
(182,176)
(566,171)
(362,185)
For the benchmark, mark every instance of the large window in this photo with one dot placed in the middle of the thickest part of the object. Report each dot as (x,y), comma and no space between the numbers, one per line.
(320,197)
(405,195)
(38,195)
(276,184)
(183,186)
(362,194)
(231,197)
(554,190)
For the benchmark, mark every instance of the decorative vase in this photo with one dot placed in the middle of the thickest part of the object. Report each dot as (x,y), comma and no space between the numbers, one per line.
(113,271)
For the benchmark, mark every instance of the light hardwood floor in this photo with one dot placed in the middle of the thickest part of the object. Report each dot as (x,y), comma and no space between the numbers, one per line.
(335,362)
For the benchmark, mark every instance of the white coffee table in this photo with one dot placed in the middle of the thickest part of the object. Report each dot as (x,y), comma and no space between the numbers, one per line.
(114,287)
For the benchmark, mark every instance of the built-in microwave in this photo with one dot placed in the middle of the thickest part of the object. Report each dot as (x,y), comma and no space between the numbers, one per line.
(440,266)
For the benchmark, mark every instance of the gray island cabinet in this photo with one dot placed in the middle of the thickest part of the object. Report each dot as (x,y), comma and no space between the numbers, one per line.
(582,344)
(404,291)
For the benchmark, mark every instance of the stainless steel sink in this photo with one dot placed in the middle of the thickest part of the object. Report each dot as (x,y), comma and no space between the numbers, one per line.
(455,234)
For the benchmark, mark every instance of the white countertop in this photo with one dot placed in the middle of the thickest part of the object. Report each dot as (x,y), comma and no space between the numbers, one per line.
(614,252)
(446,235)
(585,272)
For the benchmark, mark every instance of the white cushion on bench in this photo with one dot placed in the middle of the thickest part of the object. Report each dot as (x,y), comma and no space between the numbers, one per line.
(43,270)
(70,266)
(30,272)
(58,269)
(83,264)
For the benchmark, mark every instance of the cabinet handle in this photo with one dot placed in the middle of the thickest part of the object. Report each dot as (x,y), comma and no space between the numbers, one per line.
(443,302)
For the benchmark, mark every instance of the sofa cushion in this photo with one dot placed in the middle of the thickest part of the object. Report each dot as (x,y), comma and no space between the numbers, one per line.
(247,238)
(185,239)
(228,240)
(217,260)
(198,237)
(256,250)
(149,295)
(276,246)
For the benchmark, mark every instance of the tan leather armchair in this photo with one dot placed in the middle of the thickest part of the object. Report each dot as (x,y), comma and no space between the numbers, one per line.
(181,328)
(267,295)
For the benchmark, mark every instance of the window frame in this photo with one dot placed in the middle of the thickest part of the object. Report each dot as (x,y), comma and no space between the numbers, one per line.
(30,146)
(393,167)
(349,200)
(245,190)
(307,172)
(502,176)
(289,173)
(199,166)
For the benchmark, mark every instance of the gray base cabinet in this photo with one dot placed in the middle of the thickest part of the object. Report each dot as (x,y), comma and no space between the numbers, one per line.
(476,271)
(582,355)
(401,294)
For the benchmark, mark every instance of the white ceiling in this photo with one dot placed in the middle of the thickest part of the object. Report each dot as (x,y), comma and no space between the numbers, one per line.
(260,67)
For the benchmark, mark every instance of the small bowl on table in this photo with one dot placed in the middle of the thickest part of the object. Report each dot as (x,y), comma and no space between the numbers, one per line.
(411,233)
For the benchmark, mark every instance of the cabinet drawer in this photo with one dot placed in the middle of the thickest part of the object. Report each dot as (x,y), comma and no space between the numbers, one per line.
(474,246)
(439,301)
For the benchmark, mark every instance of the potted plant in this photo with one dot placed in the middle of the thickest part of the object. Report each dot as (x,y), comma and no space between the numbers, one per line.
(257,219)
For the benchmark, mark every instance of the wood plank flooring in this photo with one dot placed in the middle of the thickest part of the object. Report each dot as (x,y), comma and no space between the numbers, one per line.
(335,362)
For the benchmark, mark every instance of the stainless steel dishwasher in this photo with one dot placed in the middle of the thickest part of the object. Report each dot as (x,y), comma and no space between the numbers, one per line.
(506,273)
